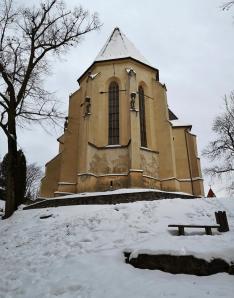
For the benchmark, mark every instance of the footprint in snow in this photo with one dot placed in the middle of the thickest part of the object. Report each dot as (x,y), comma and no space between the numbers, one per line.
(143,231)
(86,240)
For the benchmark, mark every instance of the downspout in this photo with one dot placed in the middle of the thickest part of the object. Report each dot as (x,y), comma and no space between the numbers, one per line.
(189,162)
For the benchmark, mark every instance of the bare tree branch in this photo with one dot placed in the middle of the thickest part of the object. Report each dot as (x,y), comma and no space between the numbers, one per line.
(34,175)
(29,37)
(227,5)
(221,150)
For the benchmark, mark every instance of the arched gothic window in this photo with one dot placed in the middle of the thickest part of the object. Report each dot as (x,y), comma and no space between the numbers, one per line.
(113,114)
(142,117)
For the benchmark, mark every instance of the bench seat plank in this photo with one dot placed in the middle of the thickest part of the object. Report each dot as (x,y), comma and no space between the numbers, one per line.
(194,226)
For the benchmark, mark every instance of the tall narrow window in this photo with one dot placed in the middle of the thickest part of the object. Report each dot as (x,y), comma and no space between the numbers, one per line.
(142,117)
(113,114)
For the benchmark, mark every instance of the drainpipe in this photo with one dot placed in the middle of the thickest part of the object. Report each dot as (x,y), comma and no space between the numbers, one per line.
(189,162)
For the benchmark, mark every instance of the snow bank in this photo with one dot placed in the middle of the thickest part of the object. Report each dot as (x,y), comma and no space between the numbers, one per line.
(78,251)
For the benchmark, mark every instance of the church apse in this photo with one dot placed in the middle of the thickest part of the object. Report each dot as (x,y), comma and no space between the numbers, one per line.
(120,133)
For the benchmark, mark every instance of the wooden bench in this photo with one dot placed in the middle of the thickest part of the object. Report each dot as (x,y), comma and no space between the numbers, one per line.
(208,228)
(221,220)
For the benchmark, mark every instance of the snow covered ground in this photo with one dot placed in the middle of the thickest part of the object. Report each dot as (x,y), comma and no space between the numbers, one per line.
(78,251)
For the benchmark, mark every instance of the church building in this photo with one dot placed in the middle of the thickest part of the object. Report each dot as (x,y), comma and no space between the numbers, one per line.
(120,133)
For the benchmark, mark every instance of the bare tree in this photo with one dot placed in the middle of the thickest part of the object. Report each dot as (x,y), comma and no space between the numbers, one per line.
(34,175)
(221,150)
(28,38)
(2,182)
(227,5)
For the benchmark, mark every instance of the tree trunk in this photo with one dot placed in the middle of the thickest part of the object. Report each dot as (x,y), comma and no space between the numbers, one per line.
(12,166)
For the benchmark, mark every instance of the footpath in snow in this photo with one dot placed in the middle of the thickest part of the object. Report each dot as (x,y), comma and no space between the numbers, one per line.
(78,251)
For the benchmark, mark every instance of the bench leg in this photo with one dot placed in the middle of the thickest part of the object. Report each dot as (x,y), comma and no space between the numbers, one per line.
(208,230)
(181,231)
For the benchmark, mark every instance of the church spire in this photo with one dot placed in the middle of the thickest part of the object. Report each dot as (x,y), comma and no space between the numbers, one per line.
(119,46)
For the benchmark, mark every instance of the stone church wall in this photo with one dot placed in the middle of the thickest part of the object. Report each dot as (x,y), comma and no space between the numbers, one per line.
(49,183)
(108,161)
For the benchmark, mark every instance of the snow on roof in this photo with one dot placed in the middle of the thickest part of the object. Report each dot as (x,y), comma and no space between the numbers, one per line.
(119,46)
(178,123)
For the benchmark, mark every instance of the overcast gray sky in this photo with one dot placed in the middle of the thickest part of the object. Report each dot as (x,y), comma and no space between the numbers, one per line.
(190,42)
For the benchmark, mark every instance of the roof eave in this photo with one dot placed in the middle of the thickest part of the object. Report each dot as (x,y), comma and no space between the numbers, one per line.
(189,126)
(111,60)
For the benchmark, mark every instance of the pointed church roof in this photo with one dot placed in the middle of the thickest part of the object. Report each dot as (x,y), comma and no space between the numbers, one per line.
(119,46)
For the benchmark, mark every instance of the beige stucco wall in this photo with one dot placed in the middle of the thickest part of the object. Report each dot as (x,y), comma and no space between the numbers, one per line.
(86,162)
(108,161)
(181,152)
(49,183)
(187,162)
(149,162)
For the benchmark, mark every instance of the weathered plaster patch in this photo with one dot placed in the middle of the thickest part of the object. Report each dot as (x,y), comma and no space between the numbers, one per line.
(108,161)
(149,163)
